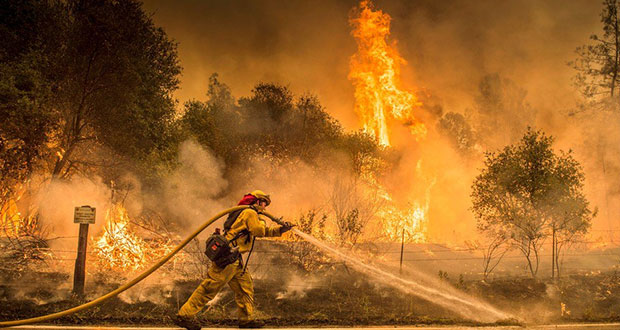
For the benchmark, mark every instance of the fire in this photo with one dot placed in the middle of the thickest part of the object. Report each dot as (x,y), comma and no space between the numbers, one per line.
(119,248)
(375,72)
(412,220)
(13,223)
(10,219)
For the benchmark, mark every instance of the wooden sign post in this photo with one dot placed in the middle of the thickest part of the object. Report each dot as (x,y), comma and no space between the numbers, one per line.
(84,215)
(402,249)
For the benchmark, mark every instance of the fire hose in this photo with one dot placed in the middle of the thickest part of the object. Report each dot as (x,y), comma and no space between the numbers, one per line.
(135,281)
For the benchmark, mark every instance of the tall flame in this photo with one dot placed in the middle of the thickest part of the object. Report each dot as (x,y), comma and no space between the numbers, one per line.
(375,72)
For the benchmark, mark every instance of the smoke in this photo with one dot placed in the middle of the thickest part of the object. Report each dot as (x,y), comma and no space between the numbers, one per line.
(271,41)
(56,201)
(594,144)
(191,192)
(449,48)
(296,287)
(148,290)
(294,186)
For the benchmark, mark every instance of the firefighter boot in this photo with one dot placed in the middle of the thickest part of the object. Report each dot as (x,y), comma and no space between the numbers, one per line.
(189,323)
(251,324)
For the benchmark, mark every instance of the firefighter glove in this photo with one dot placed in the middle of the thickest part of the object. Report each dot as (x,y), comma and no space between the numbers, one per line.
(286,226)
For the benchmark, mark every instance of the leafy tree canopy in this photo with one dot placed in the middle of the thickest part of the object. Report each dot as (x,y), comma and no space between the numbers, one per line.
(271,121)
(457,130)
(84,76)
(598,63)
(502,112)
(526,191)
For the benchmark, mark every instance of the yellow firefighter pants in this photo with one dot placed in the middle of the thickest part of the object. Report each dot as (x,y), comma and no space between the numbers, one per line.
(240,283)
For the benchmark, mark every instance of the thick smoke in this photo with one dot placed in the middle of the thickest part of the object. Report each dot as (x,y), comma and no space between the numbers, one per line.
(191,192)
(56,202)
(450,49)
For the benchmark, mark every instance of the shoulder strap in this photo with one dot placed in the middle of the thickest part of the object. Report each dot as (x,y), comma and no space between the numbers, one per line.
(232,217)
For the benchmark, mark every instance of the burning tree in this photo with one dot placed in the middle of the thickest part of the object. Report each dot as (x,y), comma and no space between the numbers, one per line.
(526,193)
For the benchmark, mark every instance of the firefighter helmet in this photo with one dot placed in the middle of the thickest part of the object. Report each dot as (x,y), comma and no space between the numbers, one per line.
(261,196)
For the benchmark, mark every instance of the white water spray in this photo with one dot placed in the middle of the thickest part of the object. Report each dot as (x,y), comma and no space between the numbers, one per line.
(462,304)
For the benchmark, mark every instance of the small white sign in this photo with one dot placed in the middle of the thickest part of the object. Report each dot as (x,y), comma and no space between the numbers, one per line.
(84,214)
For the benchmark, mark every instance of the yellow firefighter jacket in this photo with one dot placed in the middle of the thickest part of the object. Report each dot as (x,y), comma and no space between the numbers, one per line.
(249,220)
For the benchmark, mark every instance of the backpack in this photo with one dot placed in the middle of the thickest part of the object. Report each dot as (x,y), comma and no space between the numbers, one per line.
(218,248)
(219,251)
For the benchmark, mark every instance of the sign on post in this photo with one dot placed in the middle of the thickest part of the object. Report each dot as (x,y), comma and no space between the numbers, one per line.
(83,215)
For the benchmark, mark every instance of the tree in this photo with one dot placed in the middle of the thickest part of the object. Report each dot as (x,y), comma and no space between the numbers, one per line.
(527,192)
(305,255)
(570,212)
(313,126)
(215,123)
(103,75)
(501,112)
(353,204)
(25,89)
(455,127)
(494,247)
(598,63)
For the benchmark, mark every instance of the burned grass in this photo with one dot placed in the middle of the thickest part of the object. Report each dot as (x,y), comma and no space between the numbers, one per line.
(576,298)
(287,294)
(339,297)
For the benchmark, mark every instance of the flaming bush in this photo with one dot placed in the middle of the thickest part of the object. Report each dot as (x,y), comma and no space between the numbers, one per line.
(13,222)
(22,238)
(119,248)
(412,222)
(413,219)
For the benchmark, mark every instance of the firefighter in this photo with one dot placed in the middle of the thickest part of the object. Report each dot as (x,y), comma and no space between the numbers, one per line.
(241,234)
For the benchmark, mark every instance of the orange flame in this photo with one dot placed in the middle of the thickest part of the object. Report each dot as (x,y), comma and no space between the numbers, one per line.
(13,223)
(119,248)
(411,220)
(10,219)
(410,223)
(375,72)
